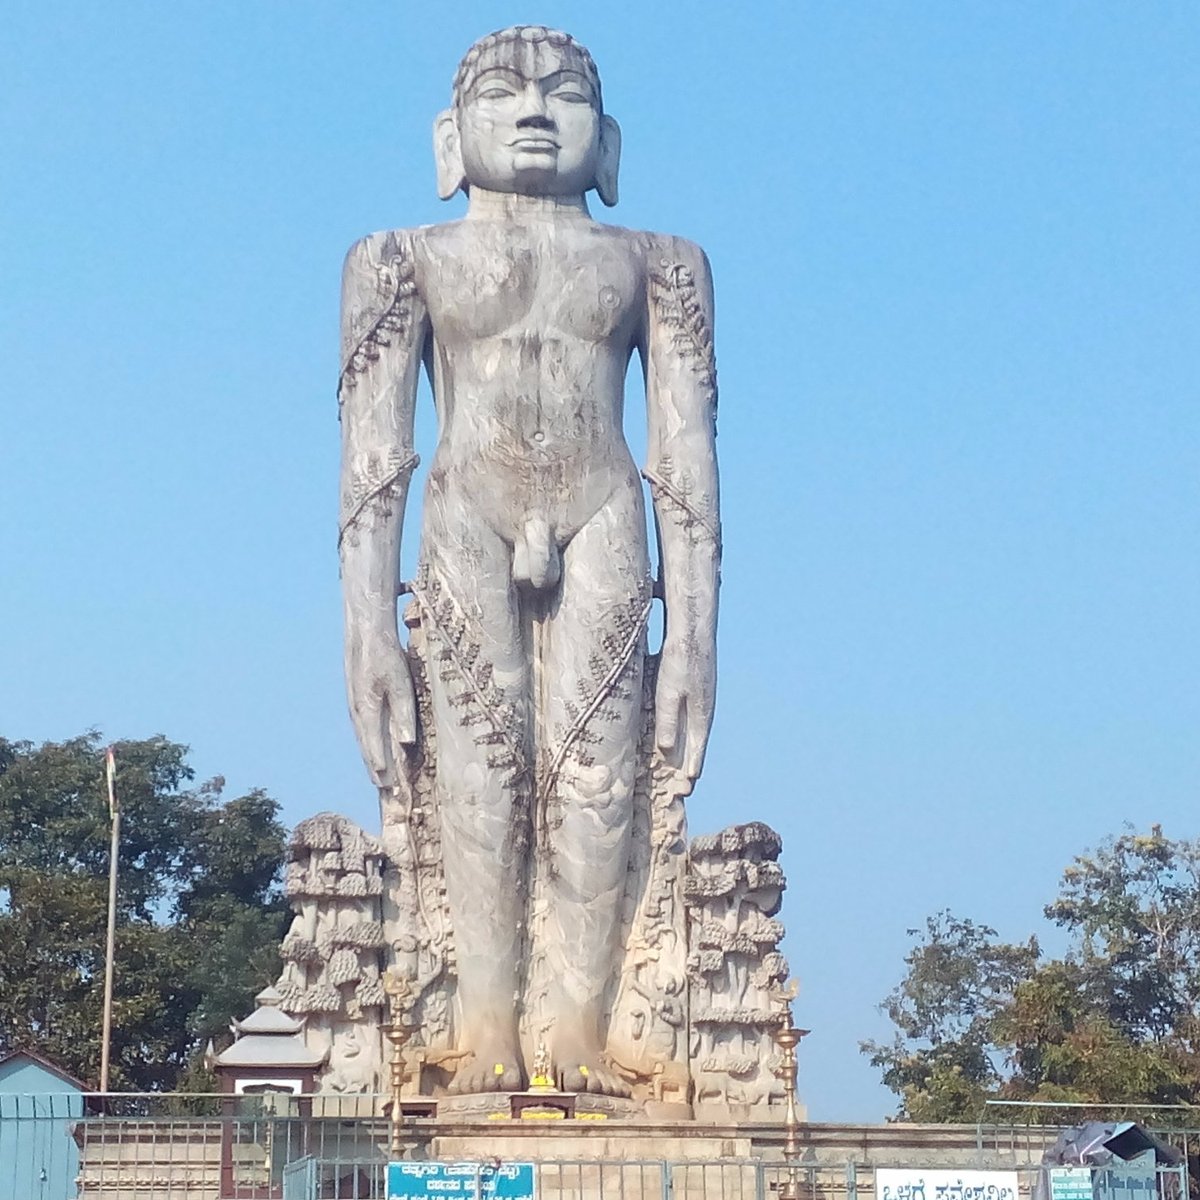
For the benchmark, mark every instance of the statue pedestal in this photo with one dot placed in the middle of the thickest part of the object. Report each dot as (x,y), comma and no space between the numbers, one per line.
(510,1106)
(542,1105)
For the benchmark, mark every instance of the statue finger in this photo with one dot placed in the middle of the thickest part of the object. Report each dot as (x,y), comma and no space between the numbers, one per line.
(401,719)
(369,725)
(375,752)
(693,760)
(666,720)
(699,723)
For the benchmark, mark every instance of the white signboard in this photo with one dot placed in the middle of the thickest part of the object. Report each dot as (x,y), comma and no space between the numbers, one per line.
(945,1185)
(1070,1183)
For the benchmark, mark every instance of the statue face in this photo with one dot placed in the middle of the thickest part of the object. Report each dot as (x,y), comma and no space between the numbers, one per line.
(530,122)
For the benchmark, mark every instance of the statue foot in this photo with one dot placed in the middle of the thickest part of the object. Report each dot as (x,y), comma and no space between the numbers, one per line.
(494,1069)
(586,1073)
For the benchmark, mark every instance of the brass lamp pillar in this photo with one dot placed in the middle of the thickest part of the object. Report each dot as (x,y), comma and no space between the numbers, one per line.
(397,1031)
(787,1037)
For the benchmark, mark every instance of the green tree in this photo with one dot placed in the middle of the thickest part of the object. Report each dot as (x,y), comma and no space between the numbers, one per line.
(942,1061)
(1133,909)
(1115,1020)
(1061,1045)
(200,910)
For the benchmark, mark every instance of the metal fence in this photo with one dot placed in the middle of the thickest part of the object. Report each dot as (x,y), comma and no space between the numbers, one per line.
(1009,1126)
(599,1179)
(596,1179)
(282,1147)
(159,1147)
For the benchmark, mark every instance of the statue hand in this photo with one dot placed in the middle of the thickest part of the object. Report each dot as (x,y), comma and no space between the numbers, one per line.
(382,702)
(683,706)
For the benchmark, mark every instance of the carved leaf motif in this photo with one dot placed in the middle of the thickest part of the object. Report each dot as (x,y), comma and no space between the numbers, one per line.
(387,310)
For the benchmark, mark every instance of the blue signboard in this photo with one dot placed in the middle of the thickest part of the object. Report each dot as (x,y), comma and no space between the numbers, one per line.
(470,1181)
(1133,1180)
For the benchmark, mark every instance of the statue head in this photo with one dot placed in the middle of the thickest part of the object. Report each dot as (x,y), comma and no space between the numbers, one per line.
(527,118)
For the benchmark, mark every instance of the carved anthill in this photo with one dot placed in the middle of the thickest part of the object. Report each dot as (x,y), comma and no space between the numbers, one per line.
(734,888)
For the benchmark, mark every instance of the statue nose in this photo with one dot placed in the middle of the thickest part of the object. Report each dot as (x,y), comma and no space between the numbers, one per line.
(537,121)
(533,110)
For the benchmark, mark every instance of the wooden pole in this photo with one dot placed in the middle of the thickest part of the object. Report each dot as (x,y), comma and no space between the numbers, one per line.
(115,813)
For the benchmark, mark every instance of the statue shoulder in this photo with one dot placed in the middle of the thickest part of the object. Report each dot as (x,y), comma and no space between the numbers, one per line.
(667,252)
(386,246)
(379,291)
(417,247)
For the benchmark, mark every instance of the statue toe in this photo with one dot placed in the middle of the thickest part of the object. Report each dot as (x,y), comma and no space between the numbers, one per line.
(575,1079)
(590,1077)
(488,1073)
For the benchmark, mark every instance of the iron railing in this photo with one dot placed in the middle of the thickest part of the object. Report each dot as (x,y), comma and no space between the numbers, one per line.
(283,1147)
(654,1179)
(162,1146)
(1008,1125)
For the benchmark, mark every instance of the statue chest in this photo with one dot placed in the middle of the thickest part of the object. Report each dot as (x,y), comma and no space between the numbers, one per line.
(495,289)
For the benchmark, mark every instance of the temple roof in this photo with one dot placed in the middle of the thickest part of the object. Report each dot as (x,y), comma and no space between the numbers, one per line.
(268,1037)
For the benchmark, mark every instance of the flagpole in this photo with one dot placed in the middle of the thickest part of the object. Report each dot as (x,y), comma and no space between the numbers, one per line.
(110,770)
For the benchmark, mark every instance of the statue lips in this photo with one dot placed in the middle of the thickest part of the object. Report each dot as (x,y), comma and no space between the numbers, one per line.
(535,143)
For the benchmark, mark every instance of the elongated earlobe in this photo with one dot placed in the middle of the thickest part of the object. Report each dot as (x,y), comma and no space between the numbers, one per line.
(447,154)
(609,161)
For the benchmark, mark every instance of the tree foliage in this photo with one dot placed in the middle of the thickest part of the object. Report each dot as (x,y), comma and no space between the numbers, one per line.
(200,910)
(1115,1020)
(942,1059)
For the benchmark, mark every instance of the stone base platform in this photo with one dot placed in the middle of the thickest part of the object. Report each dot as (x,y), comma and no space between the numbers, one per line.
(569,1141)
(821,1145)
(491,1125)
(579,1159)
(496,1106)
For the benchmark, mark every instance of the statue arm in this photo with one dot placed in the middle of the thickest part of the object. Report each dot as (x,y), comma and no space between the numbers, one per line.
(384,328)
(681,396)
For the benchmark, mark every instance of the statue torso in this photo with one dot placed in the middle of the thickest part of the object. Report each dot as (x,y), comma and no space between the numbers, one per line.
(570,280)
(533,325)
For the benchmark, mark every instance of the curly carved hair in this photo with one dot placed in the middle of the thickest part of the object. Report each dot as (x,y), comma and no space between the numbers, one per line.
(572,51)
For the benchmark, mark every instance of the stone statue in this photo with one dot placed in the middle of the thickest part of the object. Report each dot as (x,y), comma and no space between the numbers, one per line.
(511,736)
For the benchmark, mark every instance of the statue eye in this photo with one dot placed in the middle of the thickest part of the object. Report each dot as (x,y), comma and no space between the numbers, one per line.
(572,95)
(495,91)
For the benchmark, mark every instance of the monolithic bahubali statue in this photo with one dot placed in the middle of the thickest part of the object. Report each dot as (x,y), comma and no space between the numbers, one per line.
(514,739)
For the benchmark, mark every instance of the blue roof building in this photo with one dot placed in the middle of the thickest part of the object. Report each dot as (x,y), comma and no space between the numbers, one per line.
(39,1104)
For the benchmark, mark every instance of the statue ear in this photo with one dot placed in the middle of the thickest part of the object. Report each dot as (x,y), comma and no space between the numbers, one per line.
(609,160)
(447,154)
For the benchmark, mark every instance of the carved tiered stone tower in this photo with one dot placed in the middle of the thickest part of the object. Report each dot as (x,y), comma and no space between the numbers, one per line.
(333,952)
(734,889)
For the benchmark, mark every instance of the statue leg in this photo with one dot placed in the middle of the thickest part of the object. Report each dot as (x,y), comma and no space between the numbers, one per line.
(478,684)
(593,718)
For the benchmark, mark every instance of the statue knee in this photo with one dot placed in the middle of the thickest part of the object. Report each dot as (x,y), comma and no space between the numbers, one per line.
(463,783)
(601,790)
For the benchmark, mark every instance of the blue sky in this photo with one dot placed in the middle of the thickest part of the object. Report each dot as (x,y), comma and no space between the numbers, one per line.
(956,248)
